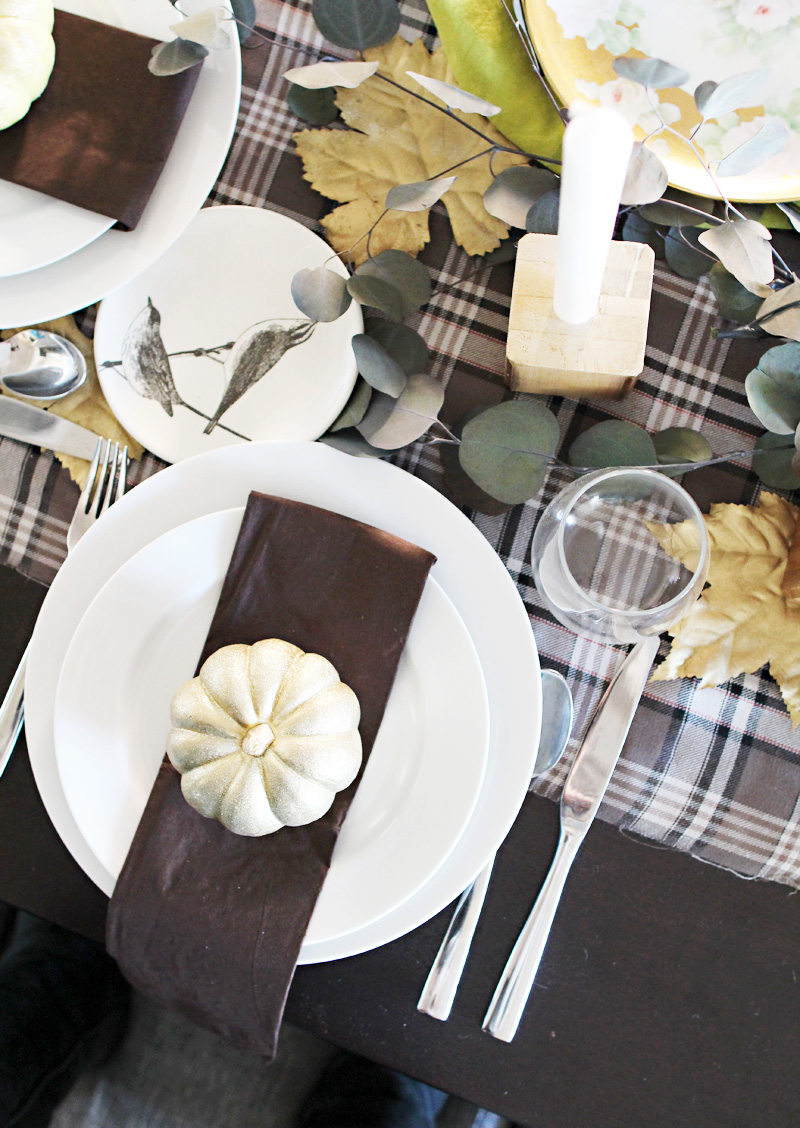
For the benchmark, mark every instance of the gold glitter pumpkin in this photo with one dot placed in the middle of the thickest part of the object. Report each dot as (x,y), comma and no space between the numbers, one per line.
(264,737)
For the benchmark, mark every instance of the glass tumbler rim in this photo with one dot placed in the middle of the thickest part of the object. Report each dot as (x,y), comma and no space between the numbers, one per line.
(611,472)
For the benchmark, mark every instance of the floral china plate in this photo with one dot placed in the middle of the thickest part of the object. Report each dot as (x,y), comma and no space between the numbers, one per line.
(577,41)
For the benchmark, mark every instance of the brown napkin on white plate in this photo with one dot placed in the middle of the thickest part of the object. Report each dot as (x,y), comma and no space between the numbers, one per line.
(212,923)
(103,129)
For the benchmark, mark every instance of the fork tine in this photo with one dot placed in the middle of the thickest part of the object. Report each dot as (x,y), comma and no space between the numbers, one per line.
(111,466)
(86,492)
(100,493)
(122,473)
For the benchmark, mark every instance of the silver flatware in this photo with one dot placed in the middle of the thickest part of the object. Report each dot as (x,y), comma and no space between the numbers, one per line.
(29,424)
(583,791)
(441,985)
(41,365)
(105,484)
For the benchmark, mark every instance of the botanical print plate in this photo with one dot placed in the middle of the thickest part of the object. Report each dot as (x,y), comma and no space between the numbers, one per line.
(206,347)
(577,41)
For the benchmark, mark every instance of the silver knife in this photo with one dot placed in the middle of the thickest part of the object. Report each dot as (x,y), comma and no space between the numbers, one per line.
(583,792)
(29,424)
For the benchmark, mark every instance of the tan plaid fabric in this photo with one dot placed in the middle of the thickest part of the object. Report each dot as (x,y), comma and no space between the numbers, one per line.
(714,772)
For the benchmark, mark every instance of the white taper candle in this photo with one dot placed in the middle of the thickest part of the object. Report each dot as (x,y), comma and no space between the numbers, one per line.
(595,154)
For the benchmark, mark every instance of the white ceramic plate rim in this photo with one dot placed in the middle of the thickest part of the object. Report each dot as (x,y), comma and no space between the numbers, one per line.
(200,149)
(204,294)
(139,639)
(36,230)
(467,568)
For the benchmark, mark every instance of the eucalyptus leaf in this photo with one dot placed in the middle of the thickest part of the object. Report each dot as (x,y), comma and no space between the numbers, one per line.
(779,314)
(742,246)
(773,389)
(403,344)
(244,12)
(792,214)
(646,179)
(392,423)
(320,294)
(638,230)
(714,99)
(614,442)
(419,196)
(756,150)
(680,249)
(513,192)
(356,24)
(672,213)
(176,56)
(319,76)
(454,97)
(461,488)
(355,408)
(506,252)
(543,215)
(377,294)
(505,449)
(681,444)
(205,28)
(653,73)
(380,370)
(349,442)
(774,466)
(735,301)
(317,107)
(408,275)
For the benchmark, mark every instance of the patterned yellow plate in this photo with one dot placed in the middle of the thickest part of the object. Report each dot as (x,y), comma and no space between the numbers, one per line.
(577,41)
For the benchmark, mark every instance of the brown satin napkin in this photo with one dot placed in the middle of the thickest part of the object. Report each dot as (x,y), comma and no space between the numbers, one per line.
(209,922)
(101,132)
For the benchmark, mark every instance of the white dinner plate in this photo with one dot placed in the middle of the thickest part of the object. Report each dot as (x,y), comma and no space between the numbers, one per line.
(87,275)
(285,377)
(467,568)
(140,640)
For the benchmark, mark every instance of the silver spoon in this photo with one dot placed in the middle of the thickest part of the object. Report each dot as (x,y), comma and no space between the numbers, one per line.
(40,365)
(445,974)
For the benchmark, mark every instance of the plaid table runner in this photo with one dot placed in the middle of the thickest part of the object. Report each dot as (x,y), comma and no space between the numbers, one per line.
(714,772)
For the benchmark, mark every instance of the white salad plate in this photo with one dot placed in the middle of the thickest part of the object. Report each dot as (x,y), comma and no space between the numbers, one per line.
(467,569)
(36,230)
(114,257)
(225,285)
(140,640)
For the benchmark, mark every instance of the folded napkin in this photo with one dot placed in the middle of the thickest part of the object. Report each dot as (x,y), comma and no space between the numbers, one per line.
(204,920)
(101,133)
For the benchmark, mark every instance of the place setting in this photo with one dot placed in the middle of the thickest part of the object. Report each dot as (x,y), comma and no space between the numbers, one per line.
(434,446)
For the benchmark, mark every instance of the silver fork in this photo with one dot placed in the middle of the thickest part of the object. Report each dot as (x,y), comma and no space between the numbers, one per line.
(105,484)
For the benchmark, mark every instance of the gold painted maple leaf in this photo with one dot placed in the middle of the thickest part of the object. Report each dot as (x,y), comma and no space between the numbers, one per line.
(394,138)
(746,617)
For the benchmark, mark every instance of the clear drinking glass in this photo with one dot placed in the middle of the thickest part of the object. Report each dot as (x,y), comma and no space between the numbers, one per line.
(598,567)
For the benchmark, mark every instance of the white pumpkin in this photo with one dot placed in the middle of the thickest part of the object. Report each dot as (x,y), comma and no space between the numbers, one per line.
(27,55)
(264,737)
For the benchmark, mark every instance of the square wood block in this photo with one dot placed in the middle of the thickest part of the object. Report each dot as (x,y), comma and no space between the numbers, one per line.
(601,357)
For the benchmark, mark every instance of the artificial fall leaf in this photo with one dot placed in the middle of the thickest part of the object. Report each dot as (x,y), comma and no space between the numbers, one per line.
(744,618)
(395,138)
(87,406)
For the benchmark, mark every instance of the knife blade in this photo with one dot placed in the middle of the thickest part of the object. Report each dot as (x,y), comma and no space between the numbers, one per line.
(29,424)
(583,793)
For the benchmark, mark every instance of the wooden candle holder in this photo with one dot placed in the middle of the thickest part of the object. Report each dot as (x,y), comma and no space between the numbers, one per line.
(601,357)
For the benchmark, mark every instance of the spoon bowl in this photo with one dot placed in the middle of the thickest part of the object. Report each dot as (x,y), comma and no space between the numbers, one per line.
(38,365)
(557,714)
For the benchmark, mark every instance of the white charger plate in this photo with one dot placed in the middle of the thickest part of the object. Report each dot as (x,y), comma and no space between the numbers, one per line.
(467,568)
(139,641)
(85,276)
(212,288)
